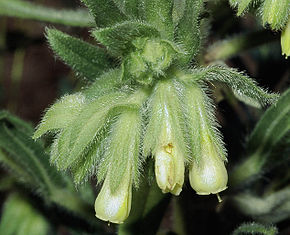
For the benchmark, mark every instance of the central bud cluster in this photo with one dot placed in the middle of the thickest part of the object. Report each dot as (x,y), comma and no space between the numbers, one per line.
(149,60)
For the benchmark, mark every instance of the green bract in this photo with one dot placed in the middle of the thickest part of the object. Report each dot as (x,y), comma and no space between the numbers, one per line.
(144,99)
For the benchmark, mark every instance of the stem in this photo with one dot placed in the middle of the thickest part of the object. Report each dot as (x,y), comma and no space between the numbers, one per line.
(226,49)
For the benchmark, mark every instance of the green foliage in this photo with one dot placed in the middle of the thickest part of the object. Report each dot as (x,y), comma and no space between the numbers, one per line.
(28,10)
(261,143)
(105,12)
(19,217)
(270,208)
(243,87)
(255,228)
(26,158)
(118,38)
(188,29)
(159,14)
(86,59)
(61,114)
(273,12)
(128,7)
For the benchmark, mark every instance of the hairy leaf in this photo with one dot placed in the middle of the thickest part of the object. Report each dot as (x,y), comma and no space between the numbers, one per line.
(21,152)
(128,7)
(243,87)
(275,13)
(118,38)
(88,60)
(270,130)
(188,30)
(242,5)
(255,229)
(105,12)
(28,10)
(159,14)
(61,114)
(270,208)
(85,128)
(178,10)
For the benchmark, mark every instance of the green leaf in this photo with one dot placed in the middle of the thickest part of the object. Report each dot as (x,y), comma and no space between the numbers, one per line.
(76,137)
(118,38)
(159,14)
(255,228)
(19,217)
(269,208)
(178,10)
(61,114)
(21,152)
(107,82)
(242,5)
(188,30)
(28,10)
(243,87)
(105,12)
(270,130)
(88,60)
(275,13)
(128,7)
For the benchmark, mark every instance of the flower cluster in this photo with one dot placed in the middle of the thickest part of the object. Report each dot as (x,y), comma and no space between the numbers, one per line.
(145,101)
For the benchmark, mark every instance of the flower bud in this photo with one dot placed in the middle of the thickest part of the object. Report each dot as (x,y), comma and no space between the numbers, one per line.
(208,174)
(285,40)
(169,169)
(114,206)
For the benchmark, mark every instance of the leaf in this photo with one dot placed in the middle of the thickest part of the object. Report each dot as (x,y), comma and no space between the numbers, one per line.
(107,82)
(88,60)
(105,12)
(159,14)
(243,87)
(242,5)
(188,30)
(128,7)
(28,10)
(270,208)
(118,38)
(61,114)
(255,228)
(269,131)
(21,152)
(85,128)
(178,11)
(275,13)
(19,217)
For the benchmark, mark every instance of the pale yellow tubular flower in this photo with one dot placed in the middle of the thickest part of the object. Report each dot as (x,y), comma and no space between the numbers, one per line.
(285,40)
(115,207)
(169,169)
(169,162)
(208,175)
